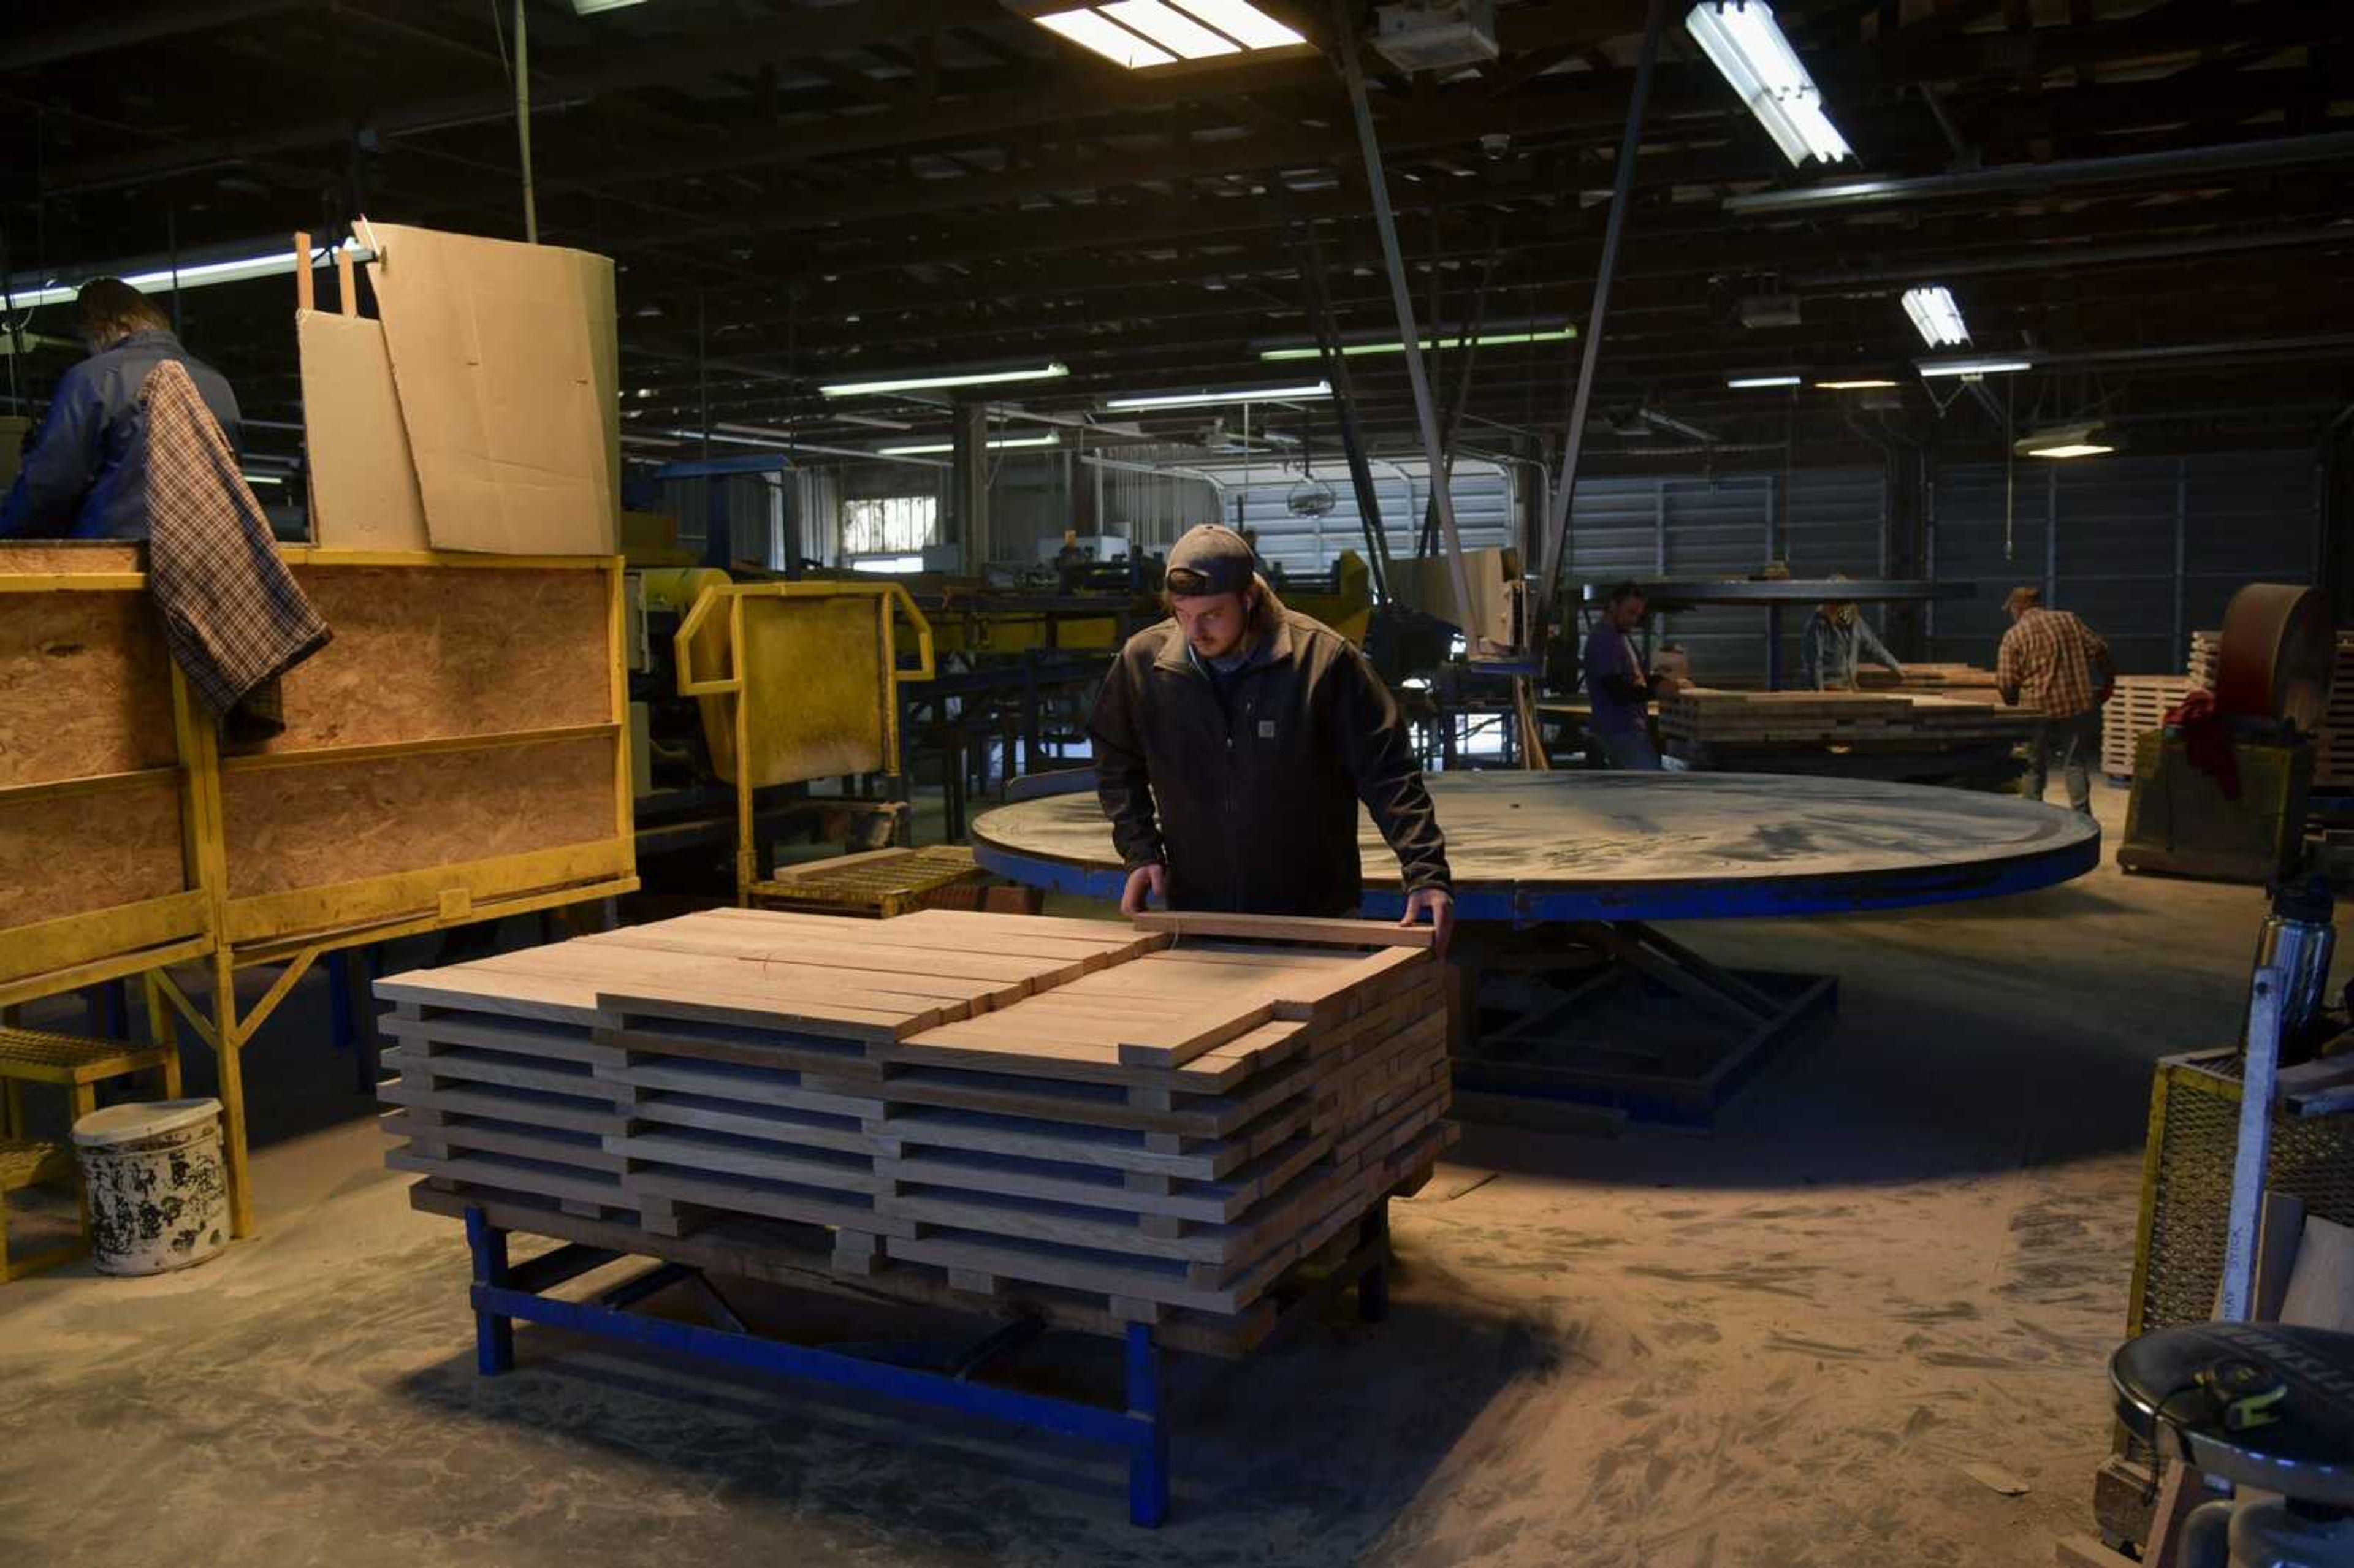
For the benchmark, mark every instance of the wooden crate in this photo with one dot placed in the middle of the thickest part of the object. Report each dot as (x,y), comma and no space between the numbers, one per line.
(2137,707)
(97,807)
(2333,761)
(458,751)
(1161,1125)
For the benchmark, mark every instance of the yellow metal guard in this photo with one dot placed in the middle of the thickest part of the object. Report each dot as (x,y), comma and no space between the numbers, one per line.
(797,682)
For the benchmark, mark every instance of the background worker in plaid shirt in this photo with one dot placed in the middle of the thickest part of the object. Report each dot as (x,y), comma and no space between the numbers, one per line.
(2051,662)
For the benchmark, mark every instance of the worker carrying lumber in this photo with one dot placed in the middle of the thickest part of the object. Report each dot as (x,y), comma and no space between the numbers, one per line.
(2052,662)
(1615,683)
(1233,743)
(1838,638)
(85,474)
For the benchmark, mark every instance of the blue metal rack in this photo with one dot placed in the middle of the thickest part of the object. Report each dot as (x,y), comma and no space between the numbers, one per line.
(503,1292)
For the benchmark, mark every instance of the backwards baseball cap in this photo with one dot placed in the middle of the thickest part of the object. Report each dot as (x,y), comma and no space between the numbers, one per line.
(1210,560)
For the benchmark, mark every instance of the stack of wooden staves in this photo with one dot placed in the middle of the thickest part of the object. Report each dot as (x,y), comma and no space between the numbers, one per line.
(1108,1124)
(2333,760)
(2206,656)
(2137,707)
(1963,682)
(1716,718)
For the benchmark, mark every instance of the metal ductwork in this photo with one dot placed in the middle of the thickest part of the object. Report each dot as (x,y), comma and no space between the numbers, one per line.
(2284,152)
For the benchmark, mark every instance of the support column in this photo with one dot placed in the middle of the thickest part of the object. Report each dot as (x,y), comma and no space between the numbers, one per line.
(969,484)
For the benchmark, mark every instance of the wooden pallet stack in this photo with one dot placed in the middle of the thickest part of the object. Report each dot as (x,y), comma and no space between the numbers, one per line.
(2138,706)
(2333,760)
(1157,1124)
(2206,652)
(1719,718)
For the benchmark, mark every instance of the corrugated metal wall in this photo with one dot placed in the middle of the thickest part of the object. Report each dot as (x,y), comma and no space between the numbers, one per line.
(1483,494)
(2146,549)
(1724,525)
(752,503)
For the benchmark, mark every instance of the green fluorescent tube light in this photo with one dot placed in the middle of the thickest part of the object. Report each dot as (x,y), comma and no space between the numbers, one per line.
(946,378)
(1485,340)
(1748,383)
(197,275)
(1238,395)
(1007,443)
(1970,366)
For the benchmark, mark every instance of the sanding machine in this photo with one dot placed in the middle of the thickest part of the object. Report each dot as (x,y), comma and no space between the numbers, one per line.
(2222,793)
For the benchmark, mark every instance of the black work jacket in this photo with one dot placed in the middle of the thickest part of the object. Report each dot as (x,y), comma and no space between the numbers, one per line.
(1250,796)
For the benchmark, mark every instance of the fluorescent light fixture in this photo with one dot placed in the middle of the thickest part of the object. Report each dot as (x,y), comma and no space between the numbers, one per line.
(1246,24)
(1749,383)
(1970,366)
(1136,34)
(1936,317)
(1485,340)
(162,280)
(2064,441)
(946,378)
(1172,30)
(590,7)
(281,478)
(1090,30)
(1865,384)
(1238,395)
(1742,40)
(1003,443)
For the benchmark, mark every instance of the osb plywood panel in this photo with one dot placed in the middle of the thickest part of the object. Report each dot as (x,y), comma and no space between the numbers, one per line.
(326,823)
(85,686)
(65,854)
(421,652)
(78,556)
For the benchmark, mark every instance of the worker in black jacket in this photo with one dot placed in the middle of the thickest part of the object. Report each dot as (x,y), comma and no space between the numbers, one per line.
(1233,743)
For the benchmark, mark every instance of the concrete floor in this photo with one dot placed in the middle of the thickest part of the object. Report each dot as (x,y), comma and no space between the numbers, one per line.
(1891,1279)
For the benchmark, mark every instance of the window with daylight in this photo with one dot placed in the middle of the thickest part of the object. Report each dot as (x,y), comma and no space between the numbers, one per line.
(889,522)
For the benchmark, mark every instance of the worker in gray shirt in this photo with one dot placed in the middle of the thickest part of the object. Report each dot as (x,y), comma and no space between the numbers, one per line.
(1836,638)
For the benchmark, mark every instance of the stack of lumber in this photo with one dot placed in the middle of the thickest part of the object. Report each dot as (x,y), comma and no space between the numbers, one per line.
(2206,651)
(2137,707)
(2333,759)
(1964,683)
(1719,718)
(1158,1123)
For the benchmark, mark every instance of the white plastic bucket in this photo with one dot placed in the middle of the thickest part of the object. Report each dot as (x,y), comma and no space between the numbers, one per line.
(158,1191)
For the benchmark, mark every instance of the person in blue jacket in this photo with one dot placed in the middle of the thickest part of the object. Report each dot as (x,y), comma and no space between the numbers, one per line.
(85,474)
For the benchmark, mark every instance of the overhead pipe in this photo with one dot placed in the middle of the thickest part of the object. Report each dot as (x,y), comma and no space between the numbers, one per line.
(2280,151)
(2063,257)
(150,24)
(1622,191)
(1426,412)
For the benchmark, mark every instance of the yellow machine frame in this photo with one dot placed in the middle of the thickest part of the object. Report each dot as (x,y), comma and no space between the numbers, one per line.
(293,928)
(742,688)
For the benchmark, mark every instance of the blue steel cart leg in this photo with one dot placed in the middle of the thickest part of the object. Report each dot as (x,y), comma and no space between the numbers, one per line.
(1373,1285)
(493,1332)
(1147,1466)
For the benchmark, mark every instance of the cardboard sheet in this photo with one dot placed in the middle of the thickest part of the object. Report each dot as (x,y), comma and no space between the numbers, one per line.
(363,493)
(508,375)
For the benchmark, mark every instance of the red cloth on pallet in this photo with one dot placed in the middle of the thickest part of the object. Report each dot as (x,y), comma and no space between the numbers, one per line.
(2206,739)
